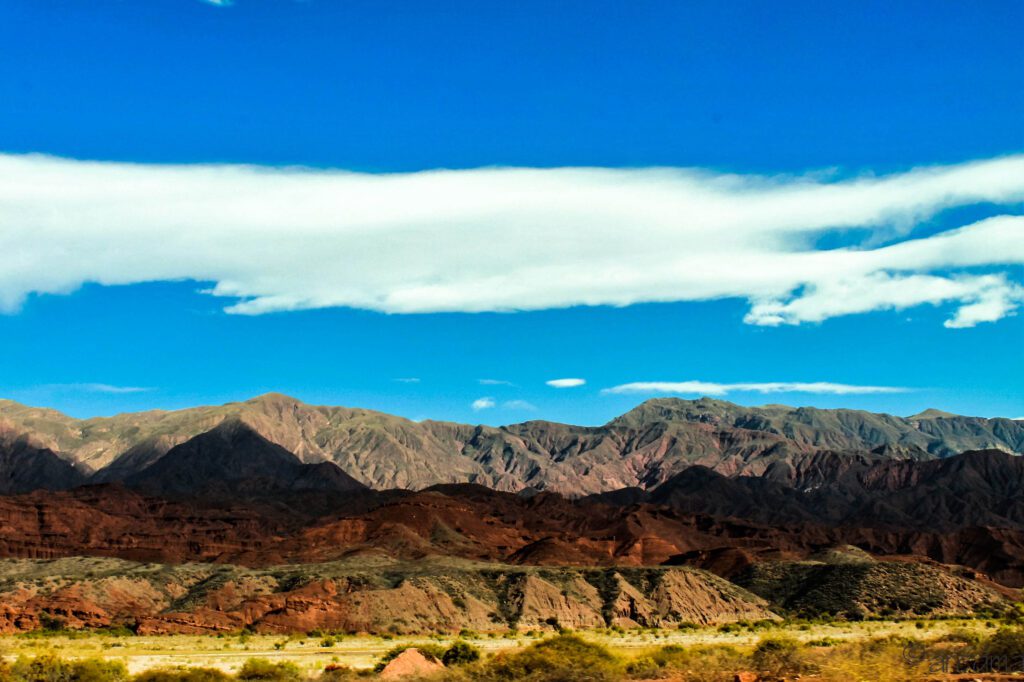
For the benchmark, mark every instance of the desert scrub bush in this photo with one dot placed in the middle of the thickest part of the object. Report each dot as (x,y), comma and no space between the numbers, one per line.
(98,670)
(262,669)
(339,673)
(1002,652)
(460,653)
(961,636)
(182,675)
(700,663)
(565,658)
(51,668)
(823,642)
(778,656)
(888,659)
(644,668)
(41,668)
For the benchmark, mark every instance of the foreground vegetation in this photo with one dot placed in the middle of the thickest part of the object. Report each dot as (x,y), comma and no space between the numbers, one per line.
(911,651)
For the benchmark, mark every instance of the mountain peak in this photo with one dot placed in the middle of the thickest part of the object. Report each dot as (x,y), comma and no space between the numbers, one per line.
(234,453)
(274,398)
(932,413)
(677,409)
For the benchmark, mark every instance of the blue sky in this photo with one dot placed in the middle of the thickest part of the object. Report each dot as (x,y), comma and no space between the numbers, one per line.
(811,100)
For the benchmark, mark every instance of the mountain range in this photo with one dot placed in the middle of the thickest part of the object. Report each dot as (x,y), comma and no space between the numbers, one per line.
(803,510)
(643,448)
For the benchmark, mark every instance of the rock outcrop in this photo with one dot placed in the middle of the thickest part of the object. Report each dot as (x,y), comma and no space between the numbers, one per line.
(353,596)
(411,663)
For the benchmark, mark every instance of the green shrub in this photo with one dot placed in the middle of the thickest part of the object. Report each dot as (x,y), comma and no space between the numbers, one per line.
(42,668)
(962,636)
(778,656)
(98,670)
(1004,650)
(1014,614)
(262,669)
(460,653)
(824,642)
(182,675)
(565,658)
(643,668)
(698,663)
(338,673)
(52,668)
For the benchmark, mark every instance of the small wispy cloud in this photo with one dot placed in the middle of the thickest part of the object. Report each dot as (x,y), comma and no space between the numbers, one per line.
(565,383)
(494,382)
(712,388)
(219,3)
(519,405)
(97,388)
(483,404)
(408,380)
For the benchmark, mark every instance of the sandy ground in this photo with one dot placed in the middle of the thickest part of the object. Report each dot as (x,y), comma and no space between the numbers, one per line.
(228,653)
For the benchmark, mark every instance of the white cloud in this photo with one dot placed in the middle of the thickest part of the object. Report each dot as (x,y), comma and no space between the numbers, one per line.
(494,382)
(711,388)
(500,239)
(219,3)
(483,404)
(566,383)
(408,380)
(519,405)
(96,388)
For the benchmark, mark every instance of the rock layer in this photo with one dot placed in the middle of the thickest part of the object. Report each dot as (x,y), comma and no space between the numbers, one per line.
(354,596)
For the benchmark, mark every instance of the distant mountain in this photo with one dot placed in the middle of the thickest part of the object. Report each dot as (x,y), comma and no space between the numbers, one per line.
(983,488)
(643,448)
(24,468)
(232,458)
(932,431)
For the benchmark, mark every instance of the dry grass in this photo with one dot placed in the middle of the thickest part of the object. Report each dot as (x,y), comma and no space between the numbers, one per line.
(229,653)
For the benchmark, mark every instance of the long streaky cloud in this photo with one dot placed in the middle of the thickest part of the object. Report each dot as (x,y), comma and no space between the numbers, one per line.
(711,388)
(507,239)
(96,388)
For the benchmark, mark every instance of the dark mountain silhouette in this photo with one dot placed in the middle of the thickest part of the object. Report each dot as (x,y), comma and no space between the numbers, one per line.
(24,468)
(232,458)
(983,488)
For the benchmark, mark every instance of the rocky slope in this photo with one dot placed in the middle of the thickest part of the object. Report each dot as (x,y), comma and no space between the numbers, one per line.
(856,586)
(366,596)
(233,458)
(465,521)
(984,488)
(24,468)
(642,448)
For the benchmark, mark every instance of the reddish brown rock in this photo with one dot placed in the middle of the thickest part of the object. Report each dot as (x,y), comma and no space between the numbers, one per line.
(411,663)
